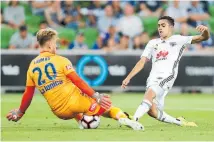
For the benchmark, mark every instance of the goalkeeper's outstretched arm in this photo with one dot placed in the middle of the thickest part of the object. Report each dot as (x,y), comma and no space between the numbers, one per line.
(138,67)
(17,114)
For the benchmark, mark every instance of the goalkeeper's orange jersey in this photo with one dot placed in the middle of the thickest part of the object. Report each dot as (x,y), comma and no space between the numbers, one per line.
(48,73)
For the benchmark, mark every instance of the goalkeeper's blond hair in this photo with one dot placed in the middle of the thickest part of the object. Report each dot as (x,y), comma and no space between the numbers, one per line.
(45,35)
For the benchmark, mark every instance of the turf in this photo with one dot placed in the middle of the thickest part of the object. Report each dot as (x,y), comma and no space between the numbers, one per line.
(40,124)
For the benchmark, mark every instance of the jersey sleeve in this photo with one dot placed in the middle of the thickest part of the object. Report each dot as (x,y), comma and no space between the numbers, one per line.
(29,81)
(187,40)
(148,51)
(67,66)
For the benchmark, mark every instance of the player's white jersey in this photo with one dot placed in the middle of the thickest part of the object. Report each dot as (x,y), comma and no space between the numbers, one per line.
(165,56)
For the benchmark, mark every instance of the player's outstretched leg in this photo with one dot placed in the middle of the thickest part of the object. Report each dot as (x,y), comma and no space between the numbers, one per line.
(145,106)
(160,115)
(123,118)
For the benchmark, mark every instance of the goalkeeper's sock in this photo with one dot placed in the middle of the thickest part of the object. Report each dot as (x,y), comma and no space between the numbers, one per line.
(78,117)
(142,109)
(116,113)
(164,117)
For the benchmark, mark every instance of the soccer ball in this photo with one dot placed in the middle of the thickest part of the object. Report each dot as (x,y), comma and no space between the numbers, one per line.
(90,122)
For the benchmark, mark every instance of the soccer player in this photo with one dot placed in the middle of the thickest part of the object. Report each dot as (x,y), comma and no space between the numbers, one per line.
(165,53)
(66,93)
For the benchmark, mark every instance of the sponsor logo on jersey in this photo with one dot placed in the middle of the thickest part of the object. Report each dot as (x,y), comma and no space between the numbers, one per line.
(68,67)
(93,107)
(50,86)
(162,55)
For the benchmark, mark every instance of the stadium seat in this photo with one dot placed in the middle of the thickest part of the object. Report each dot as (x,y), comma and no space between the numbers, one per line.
(150,24)
(3,5)
(91,35)
(66,34)
(211,10)
(211,23)
(6,34)
(27,8)
(33,22)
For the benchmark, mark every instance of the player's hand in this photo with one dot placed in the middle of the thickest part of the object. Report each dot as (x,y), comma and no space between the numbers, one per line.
(103,99)
(14,115)
(125,83)
(201,28)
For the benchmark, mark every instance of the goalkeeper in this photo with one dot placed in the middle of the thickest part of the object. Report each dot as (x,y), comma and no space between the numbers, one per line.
(66,93)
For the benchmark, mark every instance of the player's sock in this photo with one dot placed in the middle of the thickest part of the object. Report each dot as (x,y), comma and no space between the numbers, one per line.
(78,117)
(162,116)
(116,113)
(142,109)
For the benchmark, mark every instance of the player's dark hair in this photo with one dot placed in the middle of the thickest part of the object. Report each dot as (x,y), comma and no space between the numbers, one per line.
(169,19)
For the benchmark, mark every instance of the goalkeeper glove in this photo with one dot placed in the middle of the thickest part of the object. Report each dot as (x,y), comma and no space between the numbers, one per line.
(103,100)
(14,115)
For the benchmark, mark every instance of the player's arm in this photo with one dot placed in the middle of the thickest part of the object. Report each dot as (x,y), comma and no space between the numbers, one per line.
(204,34)
(140,64)
(138,67)
(103,100)
(17,114)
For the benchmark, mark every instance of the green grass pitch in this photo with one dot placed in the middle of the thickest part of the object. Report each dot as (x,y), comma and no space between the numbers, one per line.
(40,124)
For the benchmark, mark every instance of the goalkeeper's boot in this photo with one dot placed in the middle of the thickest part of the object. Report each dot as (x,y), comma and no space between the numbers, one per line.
(184,122)
(131,123)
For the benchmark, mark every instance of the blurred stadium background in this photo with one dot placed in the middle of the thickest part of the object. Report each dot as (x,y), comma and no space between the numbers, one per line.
(114,32)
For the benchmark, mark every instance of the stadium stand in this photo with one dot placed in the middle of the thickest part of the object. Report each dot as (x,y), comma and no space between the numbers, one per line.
(84,14)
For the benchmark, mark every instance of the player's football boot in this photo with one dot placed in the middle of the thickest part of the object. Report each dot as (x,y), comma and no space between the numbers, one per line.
(184,122)
(131,123)
(80,125)
(129,116)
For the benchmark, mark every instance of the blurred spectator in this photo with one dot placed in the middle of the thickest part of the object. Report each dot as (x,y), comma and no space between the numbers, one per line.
(111,33)
(130,24)
(117,10)
(98,44)
(14,14)
(151,8)
(3,23)
(107,20)
(111,45)
(91,21)
(78,43)
(39,6)
(21,39)
(197,15)
(141,41)
(54,14)
(96,9)
(180,15)
(42,25)
(124,43)
(71,16)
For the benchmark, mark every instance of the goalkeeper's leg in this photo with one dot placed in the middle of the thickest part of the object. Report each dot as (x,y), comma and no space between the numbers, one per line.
(123,118)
